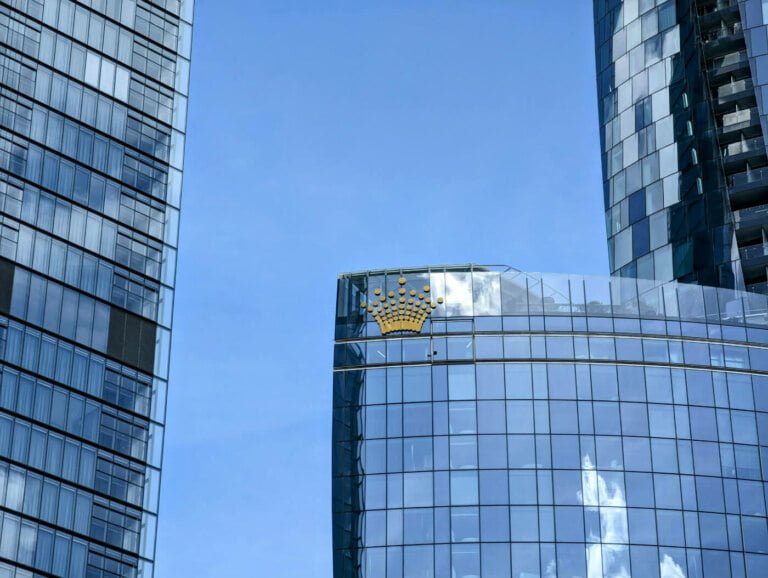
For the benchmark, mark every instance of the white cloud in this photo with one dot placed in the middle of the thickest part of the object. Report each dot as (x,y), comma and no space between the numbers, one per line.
(670,568)
(609,496)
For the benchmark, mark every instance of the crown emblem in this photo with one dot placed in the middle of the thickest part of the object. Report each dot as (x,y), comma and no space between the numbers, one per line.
(401,311)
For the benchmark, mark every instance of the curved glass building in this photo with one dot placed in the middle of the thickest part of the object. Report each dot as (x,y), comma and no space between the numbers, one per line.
(682,89)
(497,424)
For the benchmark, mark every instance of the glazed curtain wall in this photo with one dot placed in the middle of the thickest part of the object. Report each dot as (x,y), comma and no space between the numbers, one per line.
(93,102)
(550,426)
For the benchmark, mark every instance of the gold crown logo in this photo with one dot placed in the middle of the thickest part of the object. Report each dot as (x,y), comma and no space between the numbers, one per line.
(404,311)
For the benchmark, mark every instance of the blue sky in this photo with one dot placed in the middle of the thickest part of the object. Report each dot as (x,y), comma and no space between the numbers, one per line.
(328,136)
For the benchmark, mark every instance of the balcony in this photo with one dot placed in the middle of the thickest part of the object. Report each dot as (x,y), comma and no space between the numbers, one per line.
(737,154)
(716,12)
(758,288)
(729,64)
(756,144)
(749,223)
(749,177)
(747,116)
(739,125)
(754,259)
(749,188)
(753,252)
(726,38)
(751,214)
(739,93)
(735,87)
(706,7)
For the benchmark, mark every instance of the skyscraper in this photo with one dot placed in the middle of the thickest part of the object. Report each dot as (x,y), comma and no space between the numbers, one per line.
(93,98)
(683,97)
(496,424)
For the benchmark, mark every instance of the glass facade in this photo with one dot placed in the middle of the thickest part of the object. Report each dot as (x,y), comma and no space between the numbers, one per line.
(682,87)
(543,426)
(93,98)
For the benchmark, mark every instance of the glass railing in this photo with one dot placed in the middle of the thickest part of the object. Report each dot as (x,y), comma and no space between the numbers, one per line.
(730,59)
(749,177)
(752,213)
(735,87)
(754,144)
(761,288)
(753,252)
(739,117)
(717,6)
(722,32)
(468,293)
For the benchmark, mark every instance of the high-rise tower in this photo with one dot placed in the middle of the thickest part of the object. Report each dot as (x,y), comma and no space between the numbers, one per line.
(683,91)
(93,99)
(548,426)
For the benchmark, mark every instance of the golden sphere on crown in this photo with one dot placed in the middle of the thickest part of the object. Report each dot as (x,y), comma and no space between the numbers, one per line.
(391,293)
(427,288)
(401,290)
(377,291)
(402,280)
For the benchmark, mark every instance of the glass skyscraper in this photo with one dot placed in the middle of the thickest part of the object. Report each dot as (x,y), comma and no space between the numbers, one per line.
(93,99)
(683,97)
(497,424)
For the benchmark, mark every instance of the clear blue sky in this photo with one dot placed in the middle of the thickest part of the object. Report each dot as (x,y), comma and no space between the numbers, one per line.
(338,135)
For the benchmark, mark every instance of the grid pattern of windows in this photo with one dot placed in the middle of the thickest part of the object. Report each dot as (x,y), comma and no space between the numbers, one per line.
(682,113)
(636,67)
(92,119)
(545,426)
